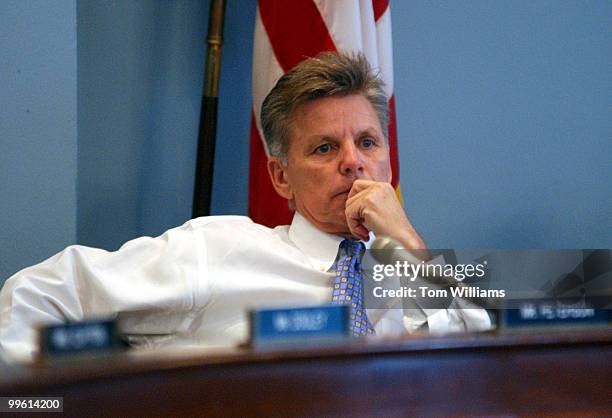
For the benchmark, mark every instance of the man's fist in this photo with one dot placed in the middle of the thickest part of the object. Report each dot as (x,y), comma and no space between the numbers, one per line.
(373,206)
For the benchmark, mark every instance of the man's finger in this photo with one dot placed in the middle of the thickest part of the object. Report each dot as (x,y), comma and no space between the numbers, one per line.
(359,186)
(355,221)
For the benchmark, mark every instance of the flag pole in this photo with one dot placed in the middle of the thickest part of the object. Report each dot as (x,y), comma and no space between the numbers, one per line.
(208,112)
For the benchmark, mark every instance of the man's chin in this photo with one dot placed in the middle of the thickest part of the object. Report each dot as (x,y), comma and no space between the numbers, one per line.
(336,227)
(331,223)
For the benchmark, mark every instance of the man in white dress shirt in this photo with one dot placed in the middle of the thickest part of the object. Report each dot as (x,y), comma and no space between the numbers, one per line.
(325,125)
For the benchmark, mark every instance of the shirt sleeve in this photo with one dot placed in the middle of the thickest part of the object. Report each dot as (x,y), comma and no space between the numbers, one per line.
(149,285)
(457,315)
(461,316)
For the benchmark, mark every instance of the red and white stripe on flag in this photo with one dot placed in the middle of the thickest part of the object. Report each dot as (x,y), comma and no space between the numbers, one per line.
(286,32)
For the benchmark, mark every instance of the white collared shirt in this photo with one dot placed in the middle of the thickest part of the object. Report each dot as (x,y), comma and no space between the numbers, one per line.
(193,285)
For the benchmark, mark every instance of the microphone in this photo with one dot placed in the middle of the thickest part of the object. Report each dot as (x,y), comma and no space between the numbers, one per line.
(386,250)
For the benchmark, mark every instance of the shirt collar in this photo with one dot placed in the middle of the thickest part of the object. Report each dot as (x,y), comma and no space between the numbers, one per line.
(321,248)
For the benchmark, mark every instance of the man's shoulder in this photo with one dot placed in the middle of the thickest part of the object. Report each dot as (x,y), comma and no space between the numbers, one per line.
(233,224)
(220,220)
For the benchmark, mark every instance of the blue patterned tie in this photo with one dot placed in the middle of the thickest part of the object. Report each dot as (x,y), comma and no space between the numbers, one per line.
(347,285)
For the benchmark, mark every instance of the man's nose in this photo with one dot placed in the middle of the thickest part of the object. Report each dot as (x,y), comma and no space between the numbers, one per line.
(351,160)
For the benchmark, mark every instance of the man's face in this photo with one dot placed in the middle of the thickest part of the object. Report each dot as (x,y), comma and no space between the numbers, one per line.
(333,142)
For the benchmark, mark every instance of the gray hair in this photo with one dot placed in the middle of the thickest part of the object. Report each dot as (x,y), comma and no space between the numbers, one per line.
(327,74)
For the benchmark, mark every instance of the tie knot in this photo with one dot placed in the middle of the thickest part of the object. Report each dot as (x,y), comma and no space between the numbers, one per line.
(352,247)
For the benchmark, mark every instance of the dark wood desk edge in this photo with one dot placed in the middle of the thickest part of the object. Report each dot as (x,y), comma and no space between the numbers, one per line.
(71,370)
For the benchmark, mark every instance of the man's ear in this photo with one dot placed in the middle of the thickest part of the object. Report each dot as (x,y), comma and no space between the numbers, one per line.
(278,176)
(390,172)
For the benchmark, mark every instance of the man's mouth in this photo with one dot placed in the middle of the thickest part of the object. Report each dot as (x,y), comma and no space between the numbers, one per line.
(343,193)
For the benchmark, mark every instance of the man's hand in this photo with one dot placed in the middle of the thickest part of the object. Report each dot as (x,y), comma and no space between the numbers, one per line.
(373,206)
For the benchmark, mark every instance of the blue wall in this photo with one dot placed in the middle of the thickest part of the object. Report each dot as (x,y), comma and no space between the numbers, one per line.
(140,82)
(38,130)
(503,112)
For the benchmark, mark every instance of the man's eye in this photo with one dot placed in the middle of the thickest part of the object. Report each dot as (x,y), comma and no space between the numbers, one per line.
(367,143)
(323,149)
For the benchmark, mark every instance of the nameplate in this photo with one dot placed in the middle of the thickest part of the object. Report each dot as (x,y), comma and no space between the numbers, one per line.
(80,337)
(553,313)
(311,325)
